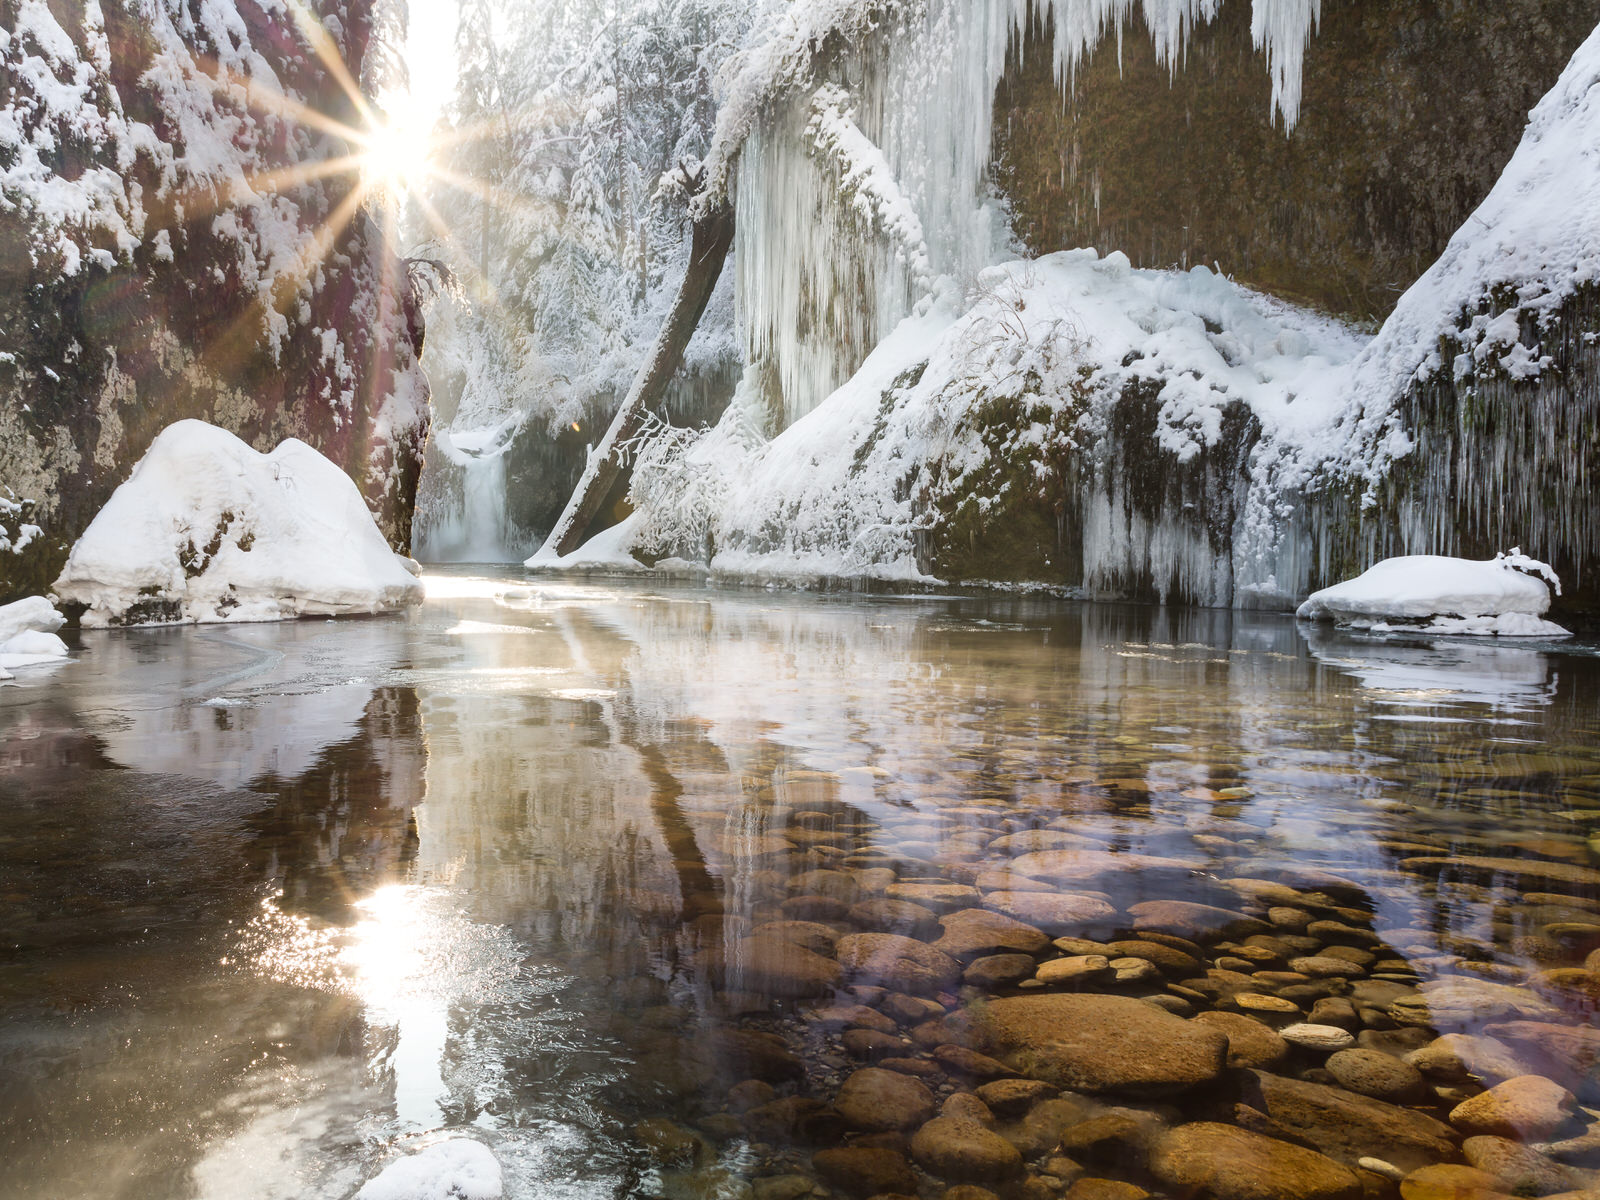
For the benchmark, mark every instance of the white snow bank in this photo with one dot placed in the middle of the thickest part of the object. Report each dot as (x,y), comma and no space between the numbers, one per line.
(27,634)
(457,1169)
(207,529)
(1505,595)
(605,551)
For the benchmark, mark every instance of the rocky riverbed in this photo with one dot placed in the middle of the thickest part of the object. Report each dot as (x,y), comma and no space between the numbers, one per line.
(992,1000)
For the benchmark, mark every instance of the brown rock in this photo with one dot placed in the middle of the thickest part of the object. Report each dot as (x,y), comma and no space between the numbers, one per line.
(961,1060)
(772,966)
(870,1044)
(794,1119)
(1348,1127)
(1450,1181)
(1197,922)
(953,1148)
(1053,912)
(894,916)
(1569,1054)
(968,1107)
(1178,963)
(764,1056)
(842,1016)
(1109,1140)
(973,932)
(1077,970)
(1373,1073)
(813,935)
(1091,1188)
(1527,873)
(910,1010)
(1010,1097)
(1520,1169)
(1101,1043)
(877,1100)
(941,897)
(1250,1043)
(863,1171)
(1223,1162)
(751,1093)
(1041,1129)
(1529,1108)
(1082,868)
(901,964)
(998,970)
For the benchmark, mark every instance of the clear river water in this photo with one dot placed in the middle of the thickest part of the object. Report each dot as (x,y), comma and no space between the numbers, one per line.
(283,903)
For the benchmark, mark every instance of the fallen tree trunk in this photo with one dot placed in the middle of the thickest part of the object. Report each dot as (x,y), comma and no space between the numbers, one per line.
(710,238)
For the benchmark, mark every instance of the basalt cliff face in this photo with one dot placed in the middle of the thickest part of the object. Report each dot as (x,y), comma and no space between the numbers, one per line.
(183,233)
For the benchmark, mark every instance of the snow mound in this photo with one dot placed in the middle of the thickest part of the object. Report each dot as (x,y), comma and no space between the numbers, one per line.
(207,529)
(606,551)
(27,635)
(1505,596)
(457,1169)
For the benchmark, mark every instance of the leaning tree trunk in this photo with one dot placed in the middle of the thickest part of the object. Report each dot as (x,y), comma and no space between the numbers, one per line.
(711,236)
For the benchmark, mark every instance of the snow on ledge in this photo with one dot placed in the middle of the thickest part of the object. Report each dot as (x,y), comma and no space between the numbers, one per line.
(207,529)
(28,635)
(1505,596)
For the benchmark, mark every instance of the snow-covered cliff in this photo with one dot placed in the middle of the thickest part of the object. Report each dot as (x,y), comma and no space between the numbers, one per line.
(182,234)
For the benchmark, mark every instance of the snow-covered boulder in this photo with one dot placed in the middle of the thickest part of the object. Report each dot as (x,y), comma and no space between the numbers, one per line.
(454,1169)
(27,634)
(1505,595)
(207,529)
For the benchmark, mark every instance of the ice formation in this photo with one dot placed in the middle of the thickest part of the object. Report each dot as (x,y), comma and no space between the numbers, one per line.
(454,1169)
(207,529)
(28,634)
(1506,595)
(825,214)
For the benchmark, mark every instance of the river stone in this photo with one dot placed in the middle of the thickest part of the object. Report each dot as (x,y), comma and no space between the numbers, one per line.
(1052,912)
(814,908)
(843,1016)
(901,964)
(1197,922)
(1373,1073)
(837,885)
(954,1148)
(941,897)
(1101,1043)
(1347,1127)
(1105,1189)
(1040,1129)
(1320,966)
(963,1060)
(1529,1108)
(865,1171)
(774,967)
(880,915)
(762,1056)
(870,1044)
(1261,1002)
(1111,1139)
(998,970)
(1081,868)
(1520,1169)
(1459,1056)
(973,931)
(968,1107)
(1530,874)
(1450,1181)
(1073,971)
(1459,1000)
(1030,840)
(878,1101)
(1250,1043)
(782,1187)
(1010,1097)
(909,1010)
(1325,1038)
(1566,1053)
(795,1119)
(1223,1162)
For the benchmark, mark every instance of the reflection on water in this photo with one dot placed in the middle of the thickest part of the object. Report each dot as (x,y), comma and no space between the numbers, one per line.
(558,866)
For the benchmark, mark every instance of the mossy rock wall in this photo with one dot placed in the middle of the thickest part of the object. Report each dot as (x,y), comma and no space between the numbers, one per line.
(1411,110)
